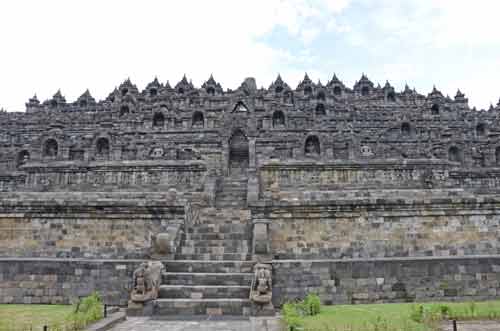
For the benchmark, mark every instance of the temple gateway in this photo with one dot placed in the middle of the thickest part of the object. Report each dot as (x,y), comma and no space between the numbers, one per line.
(186,200)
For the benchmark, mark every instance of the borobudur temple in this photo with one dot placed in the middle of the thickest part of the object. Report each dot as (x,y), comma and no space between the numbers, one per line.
(186,200)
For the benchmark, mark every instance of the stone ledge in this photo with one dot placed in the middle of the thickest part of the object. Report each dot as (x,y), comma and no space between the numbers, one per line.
(390,259)
(108,322)
(347,260)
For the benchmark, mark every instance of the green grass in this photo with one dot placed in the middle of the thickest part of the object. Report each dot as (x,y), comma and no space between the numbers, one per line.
(392,317)
(22,317)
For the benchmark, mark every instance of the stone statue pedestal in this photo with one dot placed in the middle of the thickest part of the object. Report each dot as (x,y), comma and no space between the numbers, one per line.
(262,310)
(140,308)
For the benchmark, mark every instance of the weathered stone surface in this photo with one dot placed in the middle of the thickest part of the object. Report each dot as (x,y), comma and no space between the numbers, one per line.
(404,279)
(146,281)
(202,174)
(63,281)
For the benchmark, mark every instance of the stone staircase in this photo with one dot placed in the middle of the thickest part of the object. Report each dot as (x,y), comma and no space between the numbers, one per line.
(212,274)
(205,289)
(233,192)
(219,234)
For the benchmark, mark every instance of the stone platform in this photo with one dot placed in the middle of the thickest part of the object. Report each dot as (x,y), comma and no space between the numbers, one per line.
(248,324)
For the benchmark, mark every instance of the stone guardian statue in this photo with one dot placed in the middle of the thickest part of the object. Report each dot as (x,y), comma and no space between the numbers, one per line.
(147,280)
(261,292)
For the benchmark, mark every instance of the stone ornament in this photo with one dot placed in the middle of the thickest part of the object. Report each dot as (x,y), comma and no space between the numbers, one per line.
(366,151)
(147,280)
(261,292)
(156,153)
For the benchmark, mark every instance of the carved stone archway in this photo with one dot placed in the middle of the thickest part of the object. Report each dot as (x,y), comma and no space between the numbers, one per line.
(238,153)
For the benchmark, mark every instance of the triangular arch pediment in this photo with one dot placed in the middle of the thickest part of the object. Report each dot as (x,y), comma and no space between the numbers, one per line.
(240,107)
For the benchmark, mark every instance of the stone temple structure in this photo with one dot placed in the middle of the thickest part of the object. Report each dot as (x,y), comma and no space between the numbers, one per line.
(361,194)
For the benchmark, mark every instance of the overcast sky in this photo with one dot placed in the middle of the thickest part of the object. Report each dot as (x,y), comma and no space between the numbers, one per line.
(95,44)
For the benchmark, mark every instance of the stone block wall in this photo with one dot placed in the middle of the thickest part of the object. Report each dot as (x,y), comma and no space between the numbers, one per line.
(293,179)
(111,176)
(388,280)
(62,281)
(83,225)
(371,228)
(345,281)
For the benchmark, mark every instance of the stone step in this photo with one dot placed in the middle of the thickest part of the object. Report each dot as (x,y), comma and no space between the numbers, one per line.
(234,204)
(215,243)
(232,198)
(206,278)
(233,189)
(220,221)
(215,250)
(235,183)
(234,186)
(217,257)
(236,189)
(204,291)
(225,217)
(218,236)
(216,228)
(201,307)
(209,266)
(227,191)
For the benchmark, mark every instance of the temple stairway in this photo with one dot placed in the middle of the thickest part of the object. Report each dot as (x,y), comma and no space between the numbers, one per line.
(212,273)
(233,193)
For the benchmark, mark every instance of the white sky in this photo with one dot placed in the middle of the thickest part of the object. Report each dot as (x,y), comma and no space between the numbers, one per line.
(75,45)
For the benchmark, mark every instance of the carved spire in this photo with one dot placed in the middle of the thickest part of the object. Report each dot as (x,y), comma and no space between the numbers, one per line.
(211,86)
(336,84)
(127,88)
(33,101)
(306,83)
(279,81)
(211,80)
(365,80)
(363,86)
(306,79)
(153,89)
(184,85)
(85,99)
(58,96)
(56,100)
(33,104)
(460,97)
(279,85)
(154,84)
(168,87)
(435,93)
